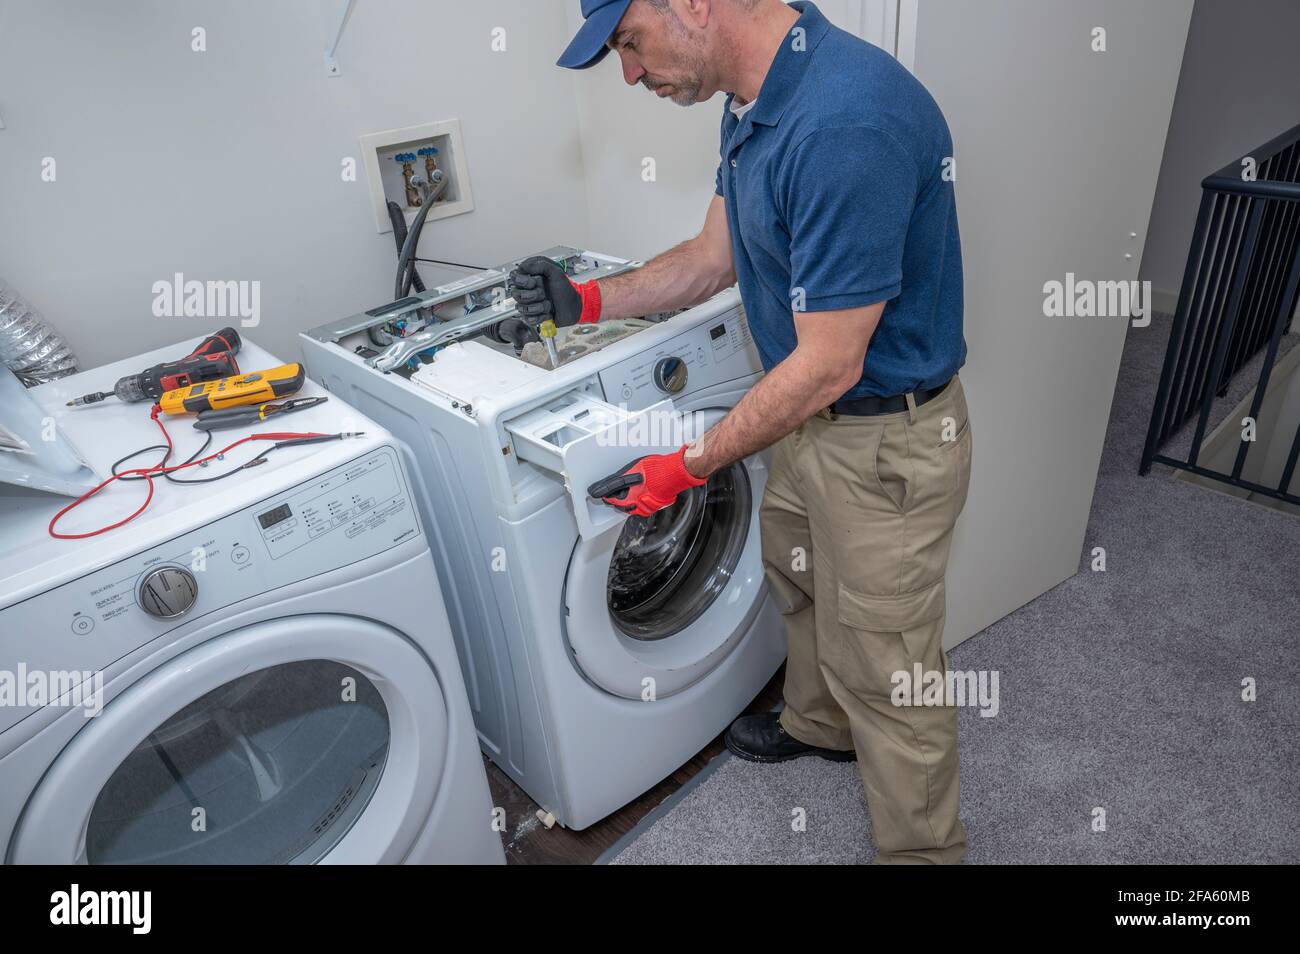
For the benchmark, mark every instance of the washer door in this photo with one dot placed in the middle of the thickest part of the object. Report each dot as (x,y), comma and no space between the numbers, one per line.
(305,739)
(656,605)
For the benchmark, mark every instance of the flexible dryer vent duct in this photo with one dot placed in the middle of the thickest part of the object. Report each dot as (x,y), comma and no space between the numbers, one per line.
(29,347)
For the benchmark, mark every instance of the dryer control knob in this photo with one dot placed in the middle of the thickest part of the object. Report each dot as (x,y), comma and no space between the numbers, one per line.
(168,591)
(670,375)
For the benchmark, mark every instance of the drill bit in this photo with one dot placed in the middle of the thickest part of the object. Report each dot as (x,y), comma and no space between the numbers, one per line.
(128,389)
(94,398)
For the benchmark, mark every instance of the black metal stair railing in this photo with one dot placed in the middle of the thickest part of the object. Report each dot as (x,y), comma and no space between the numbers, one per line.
(1238,297)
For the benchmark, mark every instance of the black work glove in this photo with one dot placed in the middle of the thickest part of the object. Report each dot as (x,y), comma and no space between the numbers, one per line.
(542,290)
(513,331)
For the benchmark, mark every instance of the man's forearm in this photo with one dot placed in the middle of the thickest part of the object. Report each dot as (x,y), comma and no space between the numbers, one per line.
(682,276)
(775,406)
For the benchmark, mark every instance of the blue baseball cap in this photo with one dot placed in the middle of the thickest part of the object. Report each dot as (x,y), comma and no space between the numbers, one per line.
(588,47)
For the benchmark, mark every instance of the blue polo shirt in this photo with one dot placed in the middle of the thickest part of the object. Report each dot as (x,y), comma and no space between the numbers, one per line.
(837,198)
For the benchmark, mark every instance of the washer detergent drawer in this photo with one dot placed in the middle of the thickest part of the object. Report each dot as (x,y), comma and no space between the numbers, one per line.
(584,439)
(345,515)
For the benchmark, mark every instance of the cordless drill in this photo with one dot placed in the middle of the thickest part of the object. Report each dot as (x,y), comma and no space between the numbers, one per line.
(214,358)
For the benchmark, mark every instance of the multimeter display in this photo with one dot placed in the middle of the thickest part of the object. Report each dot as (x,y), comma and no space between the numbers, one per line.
(272,517)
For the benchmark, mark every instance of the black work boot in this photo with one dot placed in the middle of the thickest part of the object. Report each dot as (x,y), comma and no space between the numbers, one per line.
(762,738)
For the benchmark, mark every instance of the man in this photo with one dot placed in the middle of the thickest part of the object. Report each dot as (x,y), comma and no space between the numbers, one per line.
(834,210)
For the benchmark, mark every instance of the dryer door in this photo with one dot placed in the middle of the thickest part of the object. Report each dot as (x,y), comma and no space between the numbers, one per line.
(657,604)
(305,739)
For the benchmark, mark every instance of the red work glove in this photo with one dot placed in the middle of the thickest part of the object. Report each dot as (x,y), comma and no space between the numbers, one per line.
(589,292)
(647,484)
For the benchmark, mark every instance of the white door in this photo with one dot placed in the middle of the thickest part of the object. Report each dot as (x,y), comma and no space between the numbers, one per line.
(889,24)
(299,740)
(666,597)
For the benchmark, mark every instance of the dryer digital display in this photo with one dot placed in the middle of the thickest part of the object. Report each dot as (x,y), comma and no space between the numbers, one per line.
(272,517)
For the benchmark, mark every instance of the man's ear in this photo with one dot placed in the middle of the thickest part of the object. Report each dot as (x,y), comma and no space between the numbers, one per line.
(694,13)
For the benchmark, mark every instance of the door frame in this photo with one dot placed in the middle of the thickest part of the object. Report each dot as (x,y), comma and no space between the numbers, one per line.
(891,25)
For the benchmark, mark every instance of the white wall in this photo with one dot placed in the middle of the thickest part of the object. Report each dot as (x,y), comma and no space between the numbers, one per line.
(1240,87)
(1057,152)
(620,127)
(226,164)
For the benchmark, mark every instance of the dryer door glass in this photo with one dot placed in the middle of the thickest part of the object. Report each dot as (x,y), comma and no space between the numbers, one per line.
(669,567)
(271,768)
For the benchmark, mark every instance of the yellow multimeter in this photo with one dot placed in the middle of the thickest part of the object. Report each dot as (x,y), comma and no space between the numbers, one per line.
(254,388)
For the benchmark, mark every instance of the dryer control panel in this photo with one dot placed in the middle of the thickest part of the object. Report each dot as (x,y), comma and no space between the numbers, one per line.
(348,514)
(712,353)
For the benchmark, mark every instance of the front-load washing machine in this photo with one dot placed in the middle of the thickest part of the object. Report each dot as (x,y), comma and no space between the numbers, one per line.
(256,670)
(601,651)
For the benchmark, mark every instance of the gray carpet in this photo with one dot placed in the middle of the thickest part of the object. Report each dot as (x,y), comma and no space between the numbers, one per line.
(1119,690)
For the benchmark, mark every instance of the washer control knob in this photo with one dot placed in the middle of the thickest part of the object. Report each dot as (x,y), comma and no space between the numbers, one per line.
(168,591)
(670,375)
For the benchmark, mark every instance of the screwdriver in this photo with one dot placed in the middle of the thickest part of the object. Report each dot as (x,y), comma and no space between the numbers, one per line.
(213,358)
(547,331)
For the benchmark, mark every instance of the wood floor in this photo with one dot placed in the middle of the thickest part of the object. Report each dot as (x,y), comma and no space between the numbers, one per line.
(528,842)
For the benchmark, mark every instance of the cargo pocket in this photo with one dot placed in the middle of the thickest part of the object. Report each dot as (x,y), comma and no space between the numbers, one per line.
(883,635)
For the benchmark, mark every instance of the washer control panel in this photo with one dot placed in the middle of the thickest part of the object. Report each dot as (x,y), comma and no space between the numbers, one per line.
(711,353)
(348,514)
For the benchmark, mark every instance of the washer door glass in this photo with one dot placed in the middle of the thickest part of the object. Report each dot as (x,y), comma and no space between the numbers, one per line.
(271,768)
(669,567)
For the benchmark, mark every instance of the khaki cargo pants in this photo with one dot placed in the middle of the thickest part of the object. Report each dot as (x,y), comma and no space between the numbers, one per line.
(857,522)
